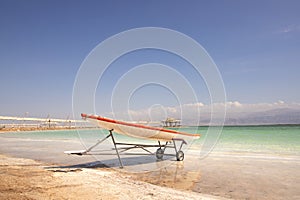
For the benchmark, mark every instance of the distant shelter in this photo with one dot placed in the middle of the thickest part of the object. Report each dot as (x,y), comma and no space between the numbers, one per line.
(171,122)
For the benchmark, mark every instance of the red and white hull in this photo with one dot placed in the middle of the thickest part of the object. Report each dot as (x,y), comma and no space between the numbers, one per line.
(137,130)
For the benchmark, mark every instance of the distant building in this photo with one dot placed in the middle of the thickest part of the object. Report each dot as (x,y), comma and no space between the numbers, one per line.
(171,122)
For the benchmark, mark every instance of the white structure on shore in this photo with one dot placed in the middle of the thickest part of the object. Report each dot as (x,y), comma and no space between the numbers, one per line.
(14,122)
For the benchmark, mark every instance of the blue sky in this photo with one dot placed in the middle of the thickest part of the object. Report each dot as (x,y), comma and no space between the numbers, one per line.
(255,44)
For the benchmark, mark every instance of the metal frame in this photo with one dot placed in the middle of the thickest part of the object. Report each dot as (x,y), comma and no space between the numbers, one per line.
(159,153)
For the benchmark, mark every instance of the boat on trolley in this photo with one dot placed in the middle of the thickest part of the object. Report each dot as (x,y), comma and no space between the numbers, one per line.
(166,138)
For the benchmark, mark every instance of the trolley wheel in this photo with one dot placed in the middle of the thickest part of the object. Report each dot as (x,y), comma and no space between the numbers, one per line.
(159,153)
(179,156)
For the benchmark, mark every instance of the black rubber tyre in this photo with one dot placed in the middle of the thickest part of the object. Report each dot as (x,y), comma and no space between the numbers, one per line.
(159,154)
(179,156)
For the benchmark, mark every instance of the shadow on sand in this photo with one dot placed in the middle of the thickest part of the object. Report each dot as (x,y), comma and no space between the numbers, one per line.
(114,162)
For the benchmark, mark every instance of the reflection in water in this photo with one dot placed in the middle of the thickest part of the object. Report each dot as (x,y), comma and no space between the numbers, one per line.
(179,175)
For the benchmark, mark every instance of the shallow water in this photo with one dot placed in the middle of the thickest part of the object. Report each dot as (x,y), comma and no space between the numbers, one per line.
(277,139)
(255,139)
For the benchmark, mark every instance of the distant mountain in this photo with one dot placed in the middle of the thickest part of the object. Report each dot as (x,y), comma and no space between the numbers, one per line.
(276,116)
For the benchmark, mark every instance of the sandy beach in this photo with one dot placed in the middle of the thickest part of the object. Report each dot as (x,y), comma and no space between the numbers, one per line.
(28,179)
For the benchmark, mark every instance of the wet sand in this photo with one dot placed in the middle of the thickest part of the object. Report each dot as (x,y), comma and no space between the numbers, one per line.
(233,177)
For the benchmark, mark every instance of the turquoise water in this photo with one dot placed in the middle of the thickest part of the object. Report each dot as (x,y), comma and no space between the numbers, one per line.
(283,139)
(260,139)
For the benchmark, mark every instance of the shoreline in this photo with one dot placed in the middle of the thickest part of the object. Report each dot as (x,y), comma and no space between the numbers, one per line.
(41,129)
(23,178)
(29,129)
(212,178)
(45,128)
